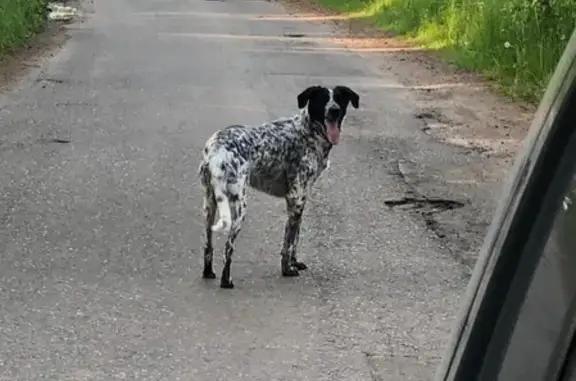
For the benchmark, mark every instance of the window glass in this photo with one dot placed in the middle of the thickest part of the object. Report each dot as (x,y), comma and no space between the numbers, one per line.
(569,241)
(545,324)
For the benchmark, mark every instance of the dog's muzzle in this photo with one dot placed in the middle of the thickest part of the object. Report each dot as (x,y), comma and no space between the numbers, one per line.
(332,125)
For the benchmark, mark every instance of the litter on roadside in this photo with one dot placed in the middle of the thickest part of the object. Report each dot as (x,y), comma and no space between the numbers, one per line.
(60,12)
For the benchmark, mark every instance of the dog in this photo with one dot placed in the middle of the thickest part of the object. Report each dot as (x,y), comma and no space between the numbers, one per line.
(282,158)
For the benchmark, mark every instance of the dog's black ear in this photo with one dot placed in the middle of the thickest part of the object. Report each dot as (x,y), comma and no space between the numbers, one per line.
(305,95)
(349,94)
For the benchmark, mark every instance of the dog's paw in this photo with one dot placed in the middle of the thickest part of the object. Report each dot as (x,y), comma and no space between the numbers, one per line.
(290,272)
(299,266)
(208,274)
(227,284)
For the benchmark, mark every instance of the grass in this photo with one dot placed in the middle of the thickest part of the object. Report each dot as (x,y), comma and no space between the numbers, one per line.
(19,20)
(517,43)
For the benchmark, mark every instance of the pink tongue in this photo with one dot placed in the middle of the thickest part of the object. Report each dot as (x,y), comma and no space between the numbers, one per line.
(333,133)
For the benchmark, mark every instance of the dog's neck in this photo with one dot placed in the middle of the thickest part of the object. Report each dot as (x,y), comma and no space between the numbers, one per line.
(314,132)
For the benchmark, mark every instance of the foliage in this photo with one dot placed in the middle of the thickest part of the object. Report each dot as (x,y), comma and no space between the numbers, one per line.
(516,42)
(19,20)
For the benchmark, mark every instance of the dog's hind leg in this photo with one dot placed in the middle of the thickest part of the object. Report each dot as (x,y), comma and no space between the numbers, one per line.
(295,208)
(237,199)
(210,216)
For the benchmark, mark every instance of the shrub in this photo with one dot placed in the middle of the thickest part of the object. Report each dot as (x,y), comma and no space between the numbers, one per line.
(19,20)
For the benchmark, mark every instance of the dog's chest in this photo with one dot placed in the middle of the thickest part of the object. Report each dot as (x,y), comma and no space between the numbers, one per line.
(323,165)
(269,176)
(276,177)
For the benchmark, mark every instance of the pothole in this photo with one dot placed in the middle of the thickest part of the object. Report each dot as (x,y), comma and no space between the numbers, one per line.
(55,140)
(420,202)
(432,115)
(45,82)
(427,208)
(52,80)
(294,35)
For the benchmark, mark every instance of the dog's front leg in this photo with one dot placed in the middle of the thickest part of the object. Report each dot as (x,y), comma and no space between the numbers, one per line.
(295,203)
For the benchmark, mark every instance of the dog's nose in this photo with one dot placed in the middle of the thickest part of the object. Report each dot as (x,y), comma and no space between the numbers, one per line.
(333,113)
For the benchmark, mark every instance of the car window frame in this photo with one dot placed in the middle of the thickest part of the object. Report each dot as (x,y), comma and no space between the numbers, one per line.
(505,265)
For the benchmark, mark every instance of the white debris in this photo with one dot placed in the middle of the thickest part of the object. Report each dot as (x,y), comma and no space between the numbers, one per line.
(567,202)
(60,12)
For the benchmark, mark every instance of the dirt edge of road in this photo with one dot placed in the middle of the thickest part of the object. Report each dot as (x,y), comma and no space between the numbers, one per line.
(40,47)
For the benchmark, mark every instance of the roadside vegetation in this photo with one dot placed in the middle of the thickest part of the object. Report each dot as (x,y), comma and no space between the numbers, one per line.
(515,42)
(19,20)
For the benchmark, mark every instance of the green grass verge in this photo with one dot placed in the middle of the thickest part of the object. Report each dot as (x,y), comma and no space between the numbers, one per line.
(19,20)
(515,42)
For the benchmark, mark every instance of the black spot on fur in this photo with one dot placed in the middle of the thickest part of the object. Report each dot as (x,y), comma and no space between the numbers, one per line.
(219,199)
(231,176)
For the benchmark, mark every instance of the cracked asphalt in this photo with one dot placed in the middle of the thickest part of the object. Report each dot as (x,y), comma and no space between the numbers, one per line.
(101,221)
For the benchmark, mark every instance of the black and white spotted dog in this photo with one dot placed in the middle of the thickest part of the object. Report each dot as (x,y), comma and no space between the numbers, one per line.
(282,158)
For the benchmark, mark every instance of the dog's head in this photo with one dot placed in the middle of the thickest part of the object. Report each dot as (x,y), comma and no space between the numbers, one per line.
(327,108)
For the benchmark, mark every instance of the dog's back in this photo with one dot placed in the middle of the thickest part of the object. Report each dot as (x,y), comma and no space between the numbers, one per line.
(266,147)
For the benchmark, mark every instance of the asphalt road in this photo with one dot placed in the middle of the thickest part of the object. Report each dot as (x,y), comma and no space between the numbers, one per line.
(101,237)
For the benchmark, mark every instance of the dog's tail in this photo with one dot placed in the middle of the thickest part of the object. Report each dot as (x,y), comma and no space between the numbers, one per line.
(224,223)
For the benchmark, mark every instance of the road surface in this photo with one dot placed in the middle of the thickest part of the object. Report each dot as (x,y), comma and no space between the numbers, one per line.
(101,220)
